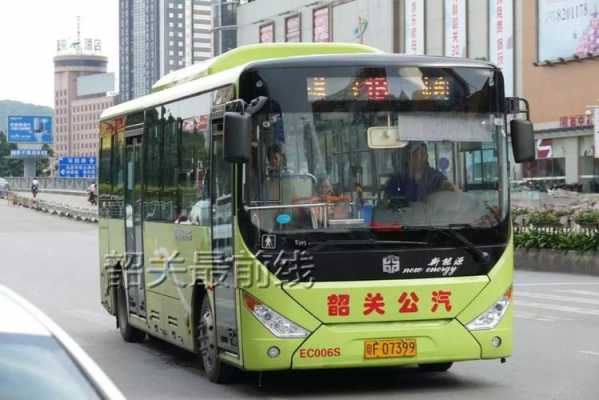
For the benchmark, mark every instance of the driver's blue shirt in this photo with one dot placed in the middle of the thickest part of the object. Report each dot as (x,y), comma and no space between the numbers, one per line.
(404,186)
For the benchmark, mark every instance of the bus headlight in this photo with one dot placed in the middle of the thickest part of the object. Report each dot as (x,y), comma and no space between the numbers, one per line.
(273,321)
(492,317)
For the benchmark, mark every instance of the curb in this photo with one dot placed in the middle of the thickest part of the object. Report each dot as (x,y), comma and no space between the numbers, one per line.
(61,210)
(548,260)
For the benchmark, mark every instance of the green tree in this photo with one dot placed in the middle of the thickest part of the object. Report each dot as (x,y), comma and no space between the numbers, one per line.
(9,166)
(43,165)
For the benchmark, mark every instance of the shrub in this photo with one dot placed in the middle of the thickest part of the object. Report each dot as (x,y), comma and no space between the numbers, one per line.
(577,241)
(588,217)
(544,218)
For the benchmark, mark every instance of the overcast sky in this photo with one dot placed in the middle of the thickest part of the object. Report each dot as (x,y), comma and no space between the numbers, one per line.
(29,30)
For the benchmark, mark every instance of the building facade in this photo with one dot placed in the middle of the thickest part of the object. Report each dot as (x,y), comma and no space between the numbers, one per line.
(548,51)
(560,71)
(371,22)
(224,26)
(77,117)
(160,36)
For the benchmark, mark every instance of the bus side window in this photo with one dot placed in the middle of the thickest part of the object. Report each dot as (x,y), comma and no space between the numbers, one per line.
(170,204)
(152,166)
(194,175)
(186,156)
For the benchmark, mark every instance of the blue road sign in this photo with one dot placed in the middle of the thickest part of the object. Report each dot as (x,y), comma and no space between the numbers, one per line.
(77,167)
(30,129)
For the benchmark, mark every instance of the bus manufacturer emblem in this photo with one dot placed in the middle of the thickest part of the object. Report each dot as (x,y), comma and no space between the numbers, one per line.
(391,264)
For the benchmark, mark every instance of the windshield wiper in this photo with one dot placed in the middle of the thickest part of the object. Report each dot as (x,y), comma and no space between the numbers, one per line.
(358,242)
(451,231)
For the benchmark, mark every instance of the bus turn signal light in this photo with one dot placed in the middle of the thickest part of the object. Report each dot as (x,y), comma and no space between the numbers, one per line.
(278,325)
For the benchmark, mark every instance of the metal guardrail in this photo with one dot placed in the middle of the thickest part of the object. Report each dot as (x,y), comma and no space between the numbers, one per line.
(50,184)
(55,208)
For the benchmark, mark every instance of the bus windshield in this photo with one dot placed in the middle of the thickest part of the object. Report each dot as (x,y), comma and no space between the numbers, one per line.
(376,148)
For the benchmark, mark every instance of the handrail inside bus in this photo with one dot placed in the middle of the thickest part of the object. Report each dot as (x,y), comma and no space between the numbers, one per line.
(281,207)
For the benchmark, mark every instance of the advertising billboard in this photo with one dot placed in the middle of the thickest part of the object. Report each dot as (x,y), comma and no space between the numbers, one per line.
(414,26)
(501,40)
(567,28)
(95,84)
(455,28)
(30,129)
(596,130)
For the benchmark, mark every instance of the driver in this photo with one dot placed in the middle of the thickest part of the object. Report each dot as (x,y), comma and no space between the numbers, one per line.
(418,180)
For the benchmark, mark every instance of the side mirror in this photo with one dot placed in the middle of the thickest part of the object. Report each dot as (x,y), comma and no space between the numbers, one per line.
(523,140)
(237,137)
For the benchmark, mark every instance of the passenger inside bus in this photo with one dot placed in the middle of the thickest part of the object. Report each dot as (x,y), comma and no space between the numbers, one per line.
(415,181)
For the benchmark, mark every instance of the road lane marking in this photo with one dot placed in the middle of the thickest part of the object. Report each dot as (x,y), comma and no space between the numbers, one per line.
(592,353)
(555,307)
(537,317)
(556,284)
(567,299)
(579,292)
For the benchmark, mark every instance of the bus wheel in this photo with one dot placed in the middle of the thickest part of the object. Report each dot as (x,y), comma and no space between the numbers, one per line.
(438,367)
(129,333)
(216,370)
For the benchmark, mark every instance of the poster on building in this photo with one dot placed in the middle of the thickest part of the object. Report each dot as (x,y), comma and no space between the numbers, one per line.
(414,27)
(267,33)
(567,28)
(455,28)
(544,149)
(501,40)
(596,131)
(293,29)
(321,24)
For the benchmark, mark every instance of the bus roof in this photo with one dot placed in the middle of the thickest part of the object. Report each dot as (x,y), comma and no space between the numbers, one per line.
(245,54)
(373,60)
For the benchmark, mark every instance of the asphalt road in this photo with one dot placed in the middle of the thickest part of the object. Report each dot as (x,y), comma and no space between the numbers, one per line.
(53,262)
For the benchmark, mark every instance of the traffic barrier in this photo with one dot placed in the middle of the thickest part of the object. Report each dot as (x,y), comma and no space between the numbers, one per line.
(86,214)
(48,184)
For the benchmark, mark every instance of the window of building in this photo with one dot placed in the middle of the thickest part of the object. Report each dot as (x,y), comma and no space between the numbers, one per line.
(545,168)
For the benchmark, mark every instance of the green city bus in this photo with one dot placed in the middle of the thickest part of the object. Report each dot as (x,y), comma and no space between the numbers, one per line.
(302,206)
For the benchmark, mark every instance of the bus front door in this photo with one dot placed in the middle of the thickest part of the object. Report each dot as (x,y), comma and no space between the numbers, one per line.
(134,266)
(222,246)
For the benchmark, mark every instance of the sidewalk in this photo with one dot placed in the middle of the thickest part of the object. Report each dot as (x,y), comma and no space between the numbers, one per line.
(71,200)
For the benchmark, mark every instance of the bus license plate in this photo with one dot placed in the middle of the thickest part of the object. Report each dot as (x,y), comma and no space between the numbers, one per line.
(389,348)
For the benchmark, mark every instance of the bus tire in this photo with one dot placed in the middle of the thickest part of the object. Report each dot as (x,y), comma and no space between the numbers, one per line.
(216,370)
(437,367)
(129,333)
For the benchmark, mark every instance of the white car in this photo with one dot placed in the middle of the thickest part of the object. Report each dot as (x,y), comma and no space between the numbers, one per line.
(38,360)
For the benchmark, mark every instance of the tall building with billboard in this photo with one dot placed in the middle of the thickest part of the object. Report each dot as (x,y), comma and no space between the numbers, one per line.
(81,87)
(160,36)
